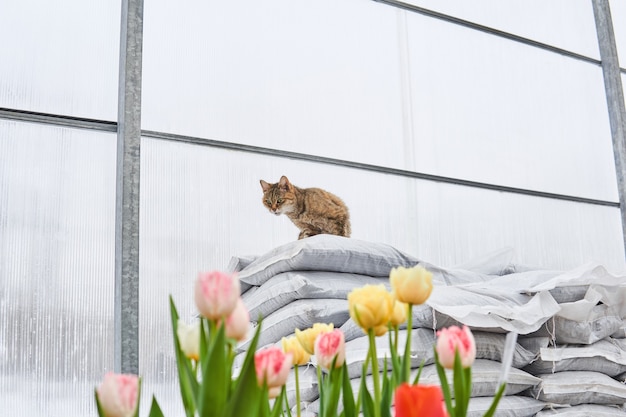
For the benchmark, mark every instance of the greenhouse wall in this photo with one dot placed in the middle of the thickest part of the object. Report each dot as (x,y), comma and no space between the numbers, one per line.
(451,130)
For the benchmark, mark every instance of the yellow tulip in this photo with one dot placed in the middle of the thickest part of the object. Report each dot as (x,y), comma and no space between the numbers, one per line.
(308,336)
(293,346)
(371,307)
(411,285)
(399,313)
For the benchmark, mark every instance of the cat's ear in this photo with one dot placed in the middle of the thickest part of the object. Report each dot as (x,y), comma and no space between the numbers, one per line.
(284,183)
(265,185)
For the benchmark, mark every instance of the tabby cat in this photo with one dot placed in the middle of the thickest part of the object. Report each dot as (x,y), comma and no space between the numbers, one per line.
(313,210)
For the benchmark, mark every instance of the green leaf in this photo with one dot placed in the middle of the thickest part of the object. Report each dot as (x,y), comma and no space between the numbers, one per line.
(215,377)
(246,385)
(419,373)
(445,388)
(349,408)
(279,403)
(334,383)
(186,377)
(496,399)
(98,405)
(155,410)
(460,389)
(366,399)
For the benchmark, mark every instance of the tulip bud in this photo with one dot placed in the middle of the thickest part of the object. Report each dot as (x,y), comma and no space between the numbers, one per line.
(118,395)
(272,366)
(189,339)
(238,323)
(455,339)
(399,313)
(308,336)
(328,346)
(419,400)
(411,285)
(216,294)
(293,346)
(371,307)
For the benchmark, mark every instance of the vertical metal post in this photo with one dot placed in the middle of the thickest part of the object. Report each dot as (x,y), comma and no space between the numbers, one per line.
(127,193)
(614,97)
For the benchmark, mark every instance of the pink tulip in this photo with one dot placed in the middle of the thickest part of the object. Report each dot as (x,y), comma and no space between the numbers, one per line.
(272,366)
(328,346)
(238,323)
(455,339)
(118,395)
(216,294)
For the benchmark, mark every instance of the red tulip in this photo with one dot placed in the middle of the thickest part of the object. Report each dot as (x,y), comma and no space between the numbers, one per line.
(419,401)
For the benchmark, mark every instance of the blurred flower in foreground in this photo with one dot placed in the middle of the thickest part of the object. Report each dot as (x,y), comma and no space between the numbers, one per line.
(238,322)
(411,285)
(293,346)
(455,339)
(118,395)
(419,401)
(307,337)
(272,368)
(371,307)
(328,346)
(189,339)
(216,294)
(399,313)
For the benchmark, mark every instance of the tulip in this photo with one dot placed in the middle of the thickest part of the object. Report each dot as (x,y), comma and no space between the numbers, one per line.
(216,294)
(238,323)
(329,346)
(399,314)
(419,401)
(371,307)
(189,339)
(308,336)
(411,285)
(272,366)
(455,339)
(118,395)
(293,346)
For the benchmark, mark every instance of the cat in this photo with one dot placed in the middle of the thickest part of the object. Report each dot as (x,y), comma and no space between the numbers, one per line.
(314,211)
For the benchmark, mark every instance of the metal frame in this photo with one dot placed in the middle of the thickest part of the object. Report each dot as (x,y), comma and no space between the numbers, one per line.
(126,350)
(129,135)
(614,97)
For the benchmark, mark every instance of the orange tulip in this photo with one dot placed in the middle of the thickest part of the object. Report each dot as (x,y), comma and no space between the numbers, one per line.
(419,401)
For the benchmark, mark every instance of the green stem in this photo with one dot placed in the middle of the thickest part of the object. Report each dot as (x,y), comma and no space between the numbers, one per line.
(407,347)
(297,390)
(375,375)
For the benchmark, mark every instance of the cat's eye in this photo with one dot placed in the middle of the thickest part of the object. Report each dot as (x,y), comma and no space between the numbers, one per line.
(268,202)
(280,201)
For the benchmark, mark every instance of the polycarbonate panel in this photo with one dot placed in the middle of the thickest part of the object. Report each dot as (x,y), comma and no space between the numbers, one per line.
(200,206)
(490,110)
(320,77)
(57,237)
(618,14)
(370,83)
(565,24)
(60,57)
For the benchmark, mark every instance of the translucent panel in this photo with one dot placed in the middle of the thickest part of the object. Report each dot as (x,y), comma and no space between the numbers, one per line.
(373,87)
(60,57)
(318,77)
(200,206)
(496,111)
(57,225)
(566,24)
(618,14)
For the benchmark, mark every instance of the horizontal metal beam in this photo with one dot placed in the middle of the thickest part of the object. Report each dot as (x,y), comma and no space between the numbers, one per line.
(106,126)
(369,167)
(57,120)
(487,29)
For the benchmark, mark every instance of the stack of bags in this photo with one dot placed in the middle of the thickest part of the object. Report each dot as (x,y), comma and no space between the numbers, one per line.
(570,356)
